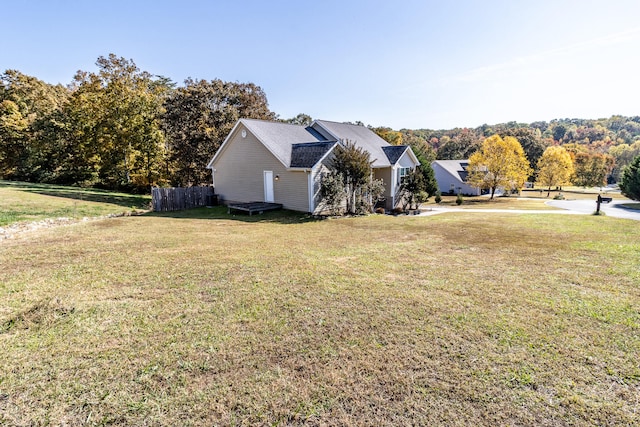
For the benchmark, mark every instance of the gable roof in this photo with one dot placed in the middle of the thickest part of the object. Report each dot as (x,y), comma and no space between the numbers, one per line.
(361,136)
(307,154)
(297,146)
(456,168)
(394,152)
(280,137)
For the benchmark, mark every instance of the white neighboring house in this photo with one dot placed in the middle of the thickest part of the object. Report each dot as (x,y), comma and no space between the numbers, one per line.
(284,163)
(452,176)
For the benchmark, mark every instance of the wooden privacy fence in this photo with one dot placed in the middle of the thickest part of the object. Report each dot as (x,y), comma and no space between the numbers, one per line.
(180,198)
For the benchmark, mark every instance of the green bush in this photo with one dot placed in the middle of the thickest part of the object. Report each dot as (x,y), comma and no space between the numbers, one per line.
(630,182)
(438,197)
(459,199)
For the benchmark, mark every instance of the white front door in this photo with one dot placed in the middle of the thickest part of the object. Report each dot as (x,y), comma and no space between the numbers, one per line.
(268,186)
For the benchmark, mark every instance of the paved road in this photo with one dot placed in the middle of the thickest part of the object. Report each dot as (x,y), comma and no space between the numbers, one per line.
(566,207)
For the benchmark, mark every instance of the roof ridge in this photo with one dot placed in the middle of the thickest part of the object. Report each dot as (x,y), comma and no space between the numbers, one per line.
(340,123)
(328,141)
(275,122)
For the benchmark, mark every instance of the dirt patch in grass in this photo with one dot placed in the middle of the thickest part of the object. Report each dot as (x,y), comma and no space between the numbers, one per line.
(206,319)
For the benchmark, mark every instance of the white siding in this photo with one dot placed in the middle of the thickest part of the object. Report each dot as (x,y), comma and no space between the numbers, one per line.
(447,182)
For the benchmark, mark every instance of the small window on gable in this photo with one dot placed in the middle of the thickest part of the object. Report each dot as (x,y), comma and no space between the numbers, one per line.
(403,174)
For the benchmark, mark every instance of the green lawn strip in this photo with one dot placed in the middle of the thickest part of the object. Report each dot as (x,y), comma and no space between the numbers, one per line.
(31,202)
(631,205)
(205,318)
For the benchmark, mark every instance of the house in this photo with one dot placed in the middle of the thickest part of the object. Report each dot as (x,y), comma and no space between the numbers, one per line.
(284,163)
(451,176)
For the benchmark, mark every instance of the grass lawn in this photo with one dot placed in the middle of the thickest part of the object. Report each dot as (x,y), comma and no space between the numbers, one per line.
(207,319)
(21,201)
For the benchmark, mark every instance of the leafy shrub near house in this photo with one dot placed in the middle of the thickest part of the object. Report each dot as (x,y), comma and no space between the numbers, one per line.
(332,192)
(459,199)
(438,197)
(350,182)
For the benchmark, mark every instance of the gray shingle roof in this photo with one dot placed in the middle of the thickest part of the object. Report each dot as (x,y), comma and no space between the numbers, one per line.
(279,137)
(306,155)
(361,136)
(302,147)
(394,152)
(457,168)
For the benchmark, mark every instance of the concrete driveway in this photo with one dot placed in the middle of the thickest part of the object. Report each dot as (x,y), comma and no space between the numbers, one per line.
(614,209)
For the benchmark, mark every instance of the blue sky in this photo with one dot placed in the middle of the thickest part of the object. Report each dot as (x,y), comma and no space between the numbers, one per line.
(402,64)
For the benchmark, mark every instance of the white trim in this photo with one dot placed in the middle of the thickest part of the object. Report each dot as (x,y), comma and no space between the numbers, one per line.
(312,206)
(268,184)
(226,140)
(412,155)
(393,182)
(232,133)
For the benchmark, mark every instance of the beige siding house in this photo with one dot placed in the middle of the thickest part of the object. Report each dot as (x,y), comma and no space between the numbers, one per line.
(262,161)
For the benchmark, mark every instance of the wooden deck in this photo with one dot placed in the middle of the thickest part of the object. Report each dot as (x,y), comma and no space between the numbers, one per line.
(253,207)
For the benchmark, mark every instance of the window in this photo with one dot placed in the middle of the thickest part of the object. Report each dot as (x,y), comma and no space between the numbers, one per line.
(403,174)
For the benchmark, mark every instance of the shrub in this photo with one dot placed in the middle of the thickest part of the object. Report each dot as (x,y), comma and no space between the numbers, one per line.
(379,210)
(438,197)
(558,196)
(397,210)
(630,182)
(459,200)
(422,197)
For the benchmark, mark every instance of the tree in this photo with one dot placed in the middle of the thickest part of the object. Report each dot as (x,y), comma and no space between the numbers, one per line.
(332,192)
(591,169)
(351,166)
(411,188)
(113,125)
(12,134)
(530,140)
(28,105)
(301,120)
(391,136)
(499,163)
(630,182)
(199,116)
(460,147)
(623,154)
(555,168)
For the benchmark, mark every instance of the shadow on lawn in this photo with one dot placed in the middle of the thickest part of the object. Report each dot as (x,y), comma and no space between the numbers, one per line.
(128,201)
(85,194)
(220,212)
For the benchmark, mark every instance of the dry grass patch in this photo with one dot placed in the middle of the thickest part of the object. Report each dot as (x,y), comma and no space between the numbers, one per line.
(278,320)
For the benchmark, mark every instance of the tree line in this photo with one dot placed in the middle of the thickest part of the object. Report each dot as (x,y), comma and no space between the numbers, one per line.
(118,127)
(608,144)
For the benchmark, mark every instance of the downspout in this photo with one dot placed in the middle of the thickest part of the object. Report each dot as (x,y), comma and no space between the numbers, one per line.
(393,187)
(310,189)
